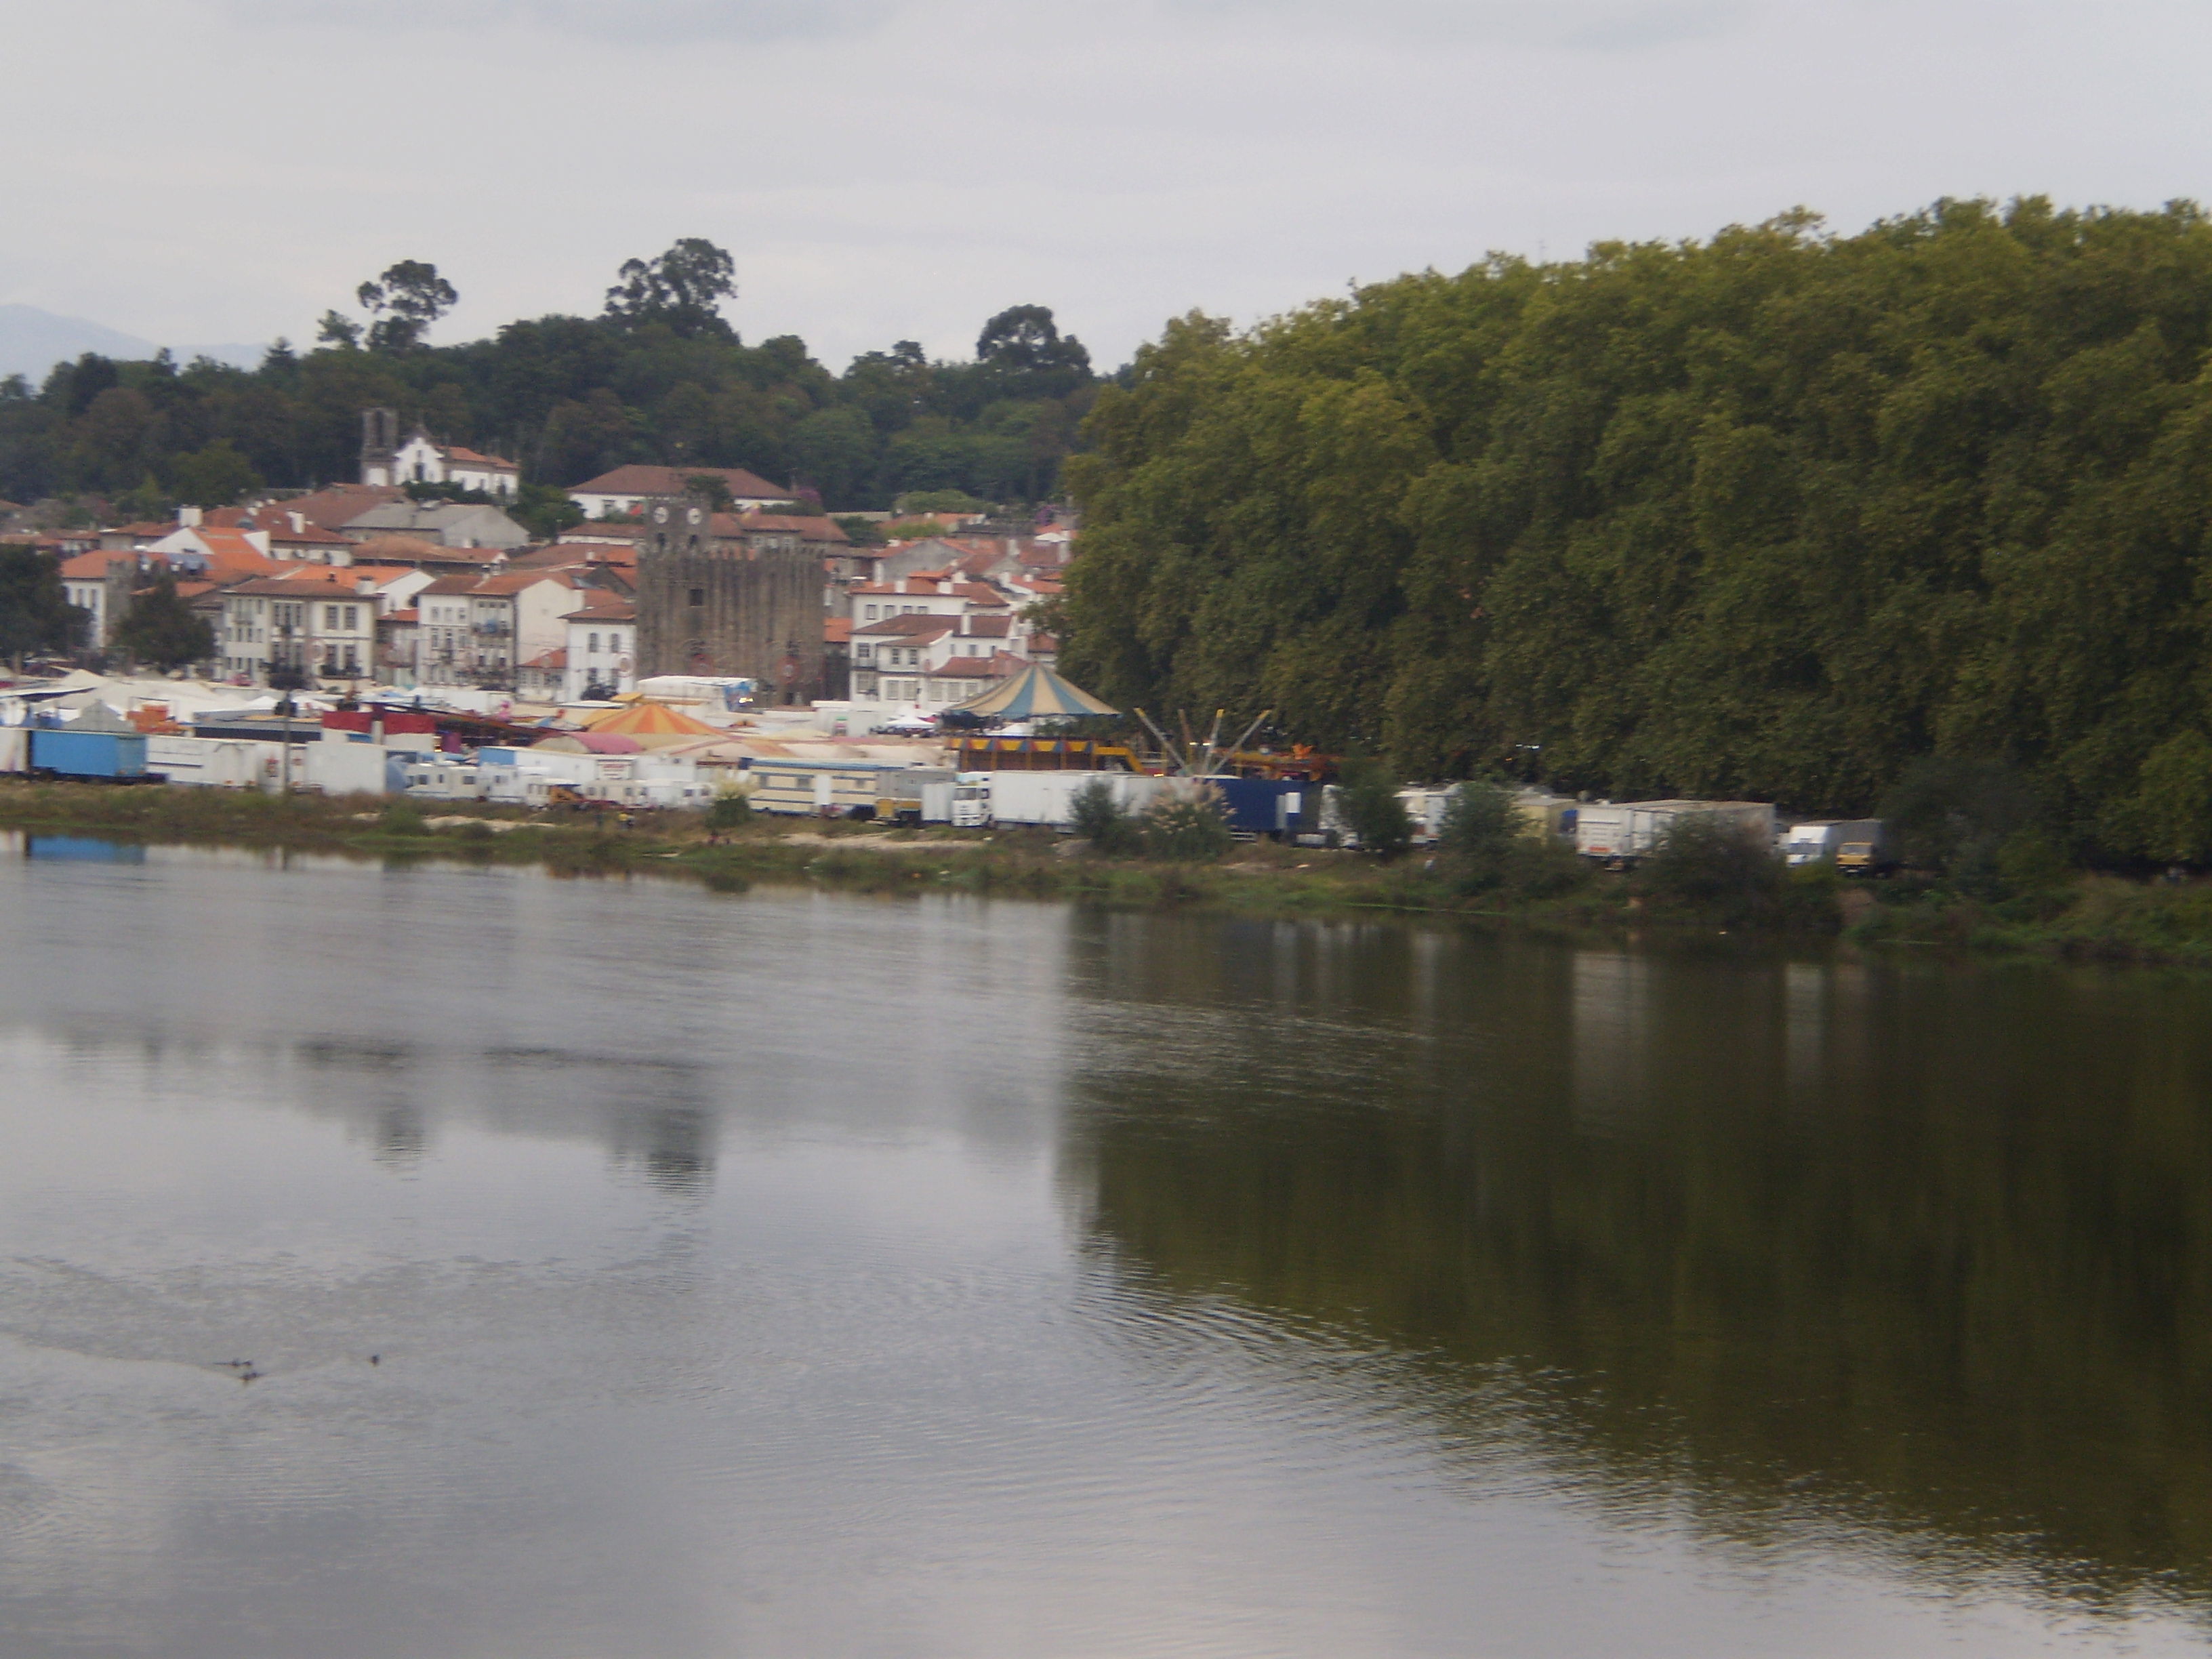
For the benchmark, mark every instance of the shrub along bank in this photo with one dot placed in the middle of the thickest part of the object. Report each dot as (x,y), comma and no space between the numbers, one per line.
(1483,869)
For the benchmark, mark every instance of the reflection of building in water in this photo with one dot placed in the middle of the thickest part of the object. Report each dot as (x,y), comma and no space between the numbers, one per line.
(1613,1033)
(399,1136)
(1804,1023)
(673,1146)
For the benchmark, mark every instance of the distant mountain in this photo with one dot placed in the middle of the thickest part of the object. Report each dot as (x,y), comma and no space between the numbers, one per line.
(33,341)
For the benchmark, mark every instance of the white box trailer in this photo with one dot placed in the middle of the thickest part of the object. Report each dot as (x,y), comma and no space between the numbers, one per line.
(1622,832)
(1048,798)
(352,769)
(443,780)
(1426,804)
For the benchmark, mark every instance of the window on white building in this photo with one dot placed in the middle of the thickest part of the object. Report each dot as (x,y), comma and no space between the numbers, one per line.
(594,643)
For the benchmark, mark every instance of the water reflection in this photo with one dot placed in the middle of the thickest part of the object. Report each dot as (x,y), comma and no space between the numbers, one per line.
(82,850)
(795,1273)
(1922,1262)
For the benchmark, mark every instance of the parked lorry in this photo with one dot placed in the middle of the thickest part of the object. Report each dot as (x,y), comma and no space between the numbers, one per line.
(1821,841)
(1618,833)
(1048,798)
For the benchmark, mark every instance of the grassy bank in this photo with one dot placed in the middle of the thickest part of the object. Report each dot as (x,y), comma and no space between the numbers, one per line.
(2083,916)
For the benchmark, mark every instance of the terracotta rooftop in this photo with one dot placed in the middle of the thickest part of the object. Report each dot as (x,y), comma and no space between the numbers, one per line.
(603,607)
(641,480)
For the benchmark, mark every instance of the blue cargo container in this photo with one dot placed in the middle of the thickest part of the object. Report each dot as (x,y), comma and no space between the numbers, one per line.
(1267,806)
(113,756)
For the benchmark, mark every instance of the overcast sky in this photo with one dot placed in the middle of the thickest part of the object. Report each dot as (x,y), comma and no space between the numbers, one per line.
(201,170)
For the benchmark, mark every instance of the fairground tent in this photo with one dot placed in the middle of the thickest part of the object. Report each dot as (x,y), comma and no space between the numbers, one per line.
(1036,693)
(649,726)
(652,719)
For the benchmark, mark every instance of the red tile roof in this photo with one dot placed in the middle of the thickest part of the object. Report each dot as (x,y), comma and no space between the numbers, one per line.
(638,480)
(293,587)
(413,550)
(806,528)
(837,630)
(339,504)
(473,458)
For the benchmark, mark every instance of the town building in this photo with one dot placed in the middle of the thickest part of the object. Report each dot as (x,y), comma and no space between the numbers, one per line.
(450,524)
(635,489)
(297,628)
(707,607)
(387,459)
(480,631)
(600,657)
(101,584)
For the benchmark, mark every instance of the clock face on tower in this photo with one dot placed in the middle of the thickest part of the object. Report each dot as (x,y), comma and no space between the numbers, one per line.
(694,515)
(660,515)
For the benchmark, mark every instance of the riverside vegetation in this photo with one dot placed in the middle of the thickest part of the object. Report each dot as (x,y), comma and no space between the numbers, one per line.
(1483,869)
(1772,516)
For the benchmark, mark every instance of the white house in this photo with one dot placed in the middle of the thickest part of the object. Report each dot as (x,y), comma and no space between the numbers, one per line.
(629,489)
(602,648)
(422,458)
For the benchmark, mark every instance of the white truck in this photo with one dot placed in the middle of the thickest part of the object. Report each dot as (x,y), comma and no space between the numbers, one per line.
(1822,841)
(1042,798)
(1619,833)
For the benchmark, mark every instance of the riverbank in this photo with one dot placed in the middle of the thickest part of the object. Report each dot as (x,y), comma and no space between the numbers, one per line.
(2082,917)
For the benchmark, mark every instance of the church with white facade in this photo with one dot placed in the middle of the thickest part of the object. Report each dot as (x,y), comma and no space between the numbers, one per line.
(384,459)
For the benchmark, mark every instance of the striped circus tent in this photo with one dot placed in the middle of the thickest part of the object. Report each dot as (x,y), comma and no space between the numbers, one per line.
(652,719)
(1036,693)
(651,725)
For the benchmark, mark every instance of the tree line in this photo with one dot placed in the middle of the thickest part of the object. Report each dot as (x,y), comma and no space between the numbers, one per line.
(1773,515)
(657,375)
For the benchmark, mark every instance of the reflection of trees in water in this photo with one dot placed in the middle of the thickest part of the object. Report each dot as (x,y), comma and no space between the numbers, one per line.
(1937,1246)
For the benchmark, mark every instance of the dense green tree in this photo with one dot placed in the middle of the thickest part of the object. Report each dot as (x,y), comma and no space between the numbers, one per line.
(35,614)
(403,303)
(1026,337)
(160,630)
(545,511)
(1771,515)
(682,290)
(215,475)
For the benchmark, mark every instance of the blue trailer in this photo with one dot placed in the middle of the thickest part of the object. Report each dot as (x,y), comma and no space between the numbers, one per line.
(1267,806)
(108,756)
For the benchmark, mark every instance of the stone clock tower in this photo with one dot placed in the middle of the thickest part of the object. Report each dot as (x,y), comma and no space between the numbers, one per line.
(708,604)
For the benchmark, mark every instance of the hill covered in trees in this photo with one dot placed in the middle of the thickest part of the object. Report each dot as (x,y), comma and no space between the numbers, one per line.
(657,376)
(1769,515)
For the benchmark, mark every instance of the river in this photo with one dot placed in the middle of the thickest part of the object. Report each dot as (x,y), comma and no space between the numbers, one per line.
(630,1270)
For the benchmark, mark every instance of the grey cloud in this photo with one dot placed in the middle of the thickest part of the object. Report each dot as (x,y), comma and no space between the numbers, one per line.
(1570,25)
(643,21)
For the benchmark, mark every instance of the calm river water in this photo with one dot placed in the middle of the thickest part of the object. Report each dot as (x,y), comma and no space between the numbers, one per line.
(792,1274)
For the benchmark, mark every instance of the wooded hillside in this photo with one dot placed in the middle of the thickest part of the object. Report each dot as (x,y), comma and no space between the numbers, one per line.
(568,397)
(1766,516)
